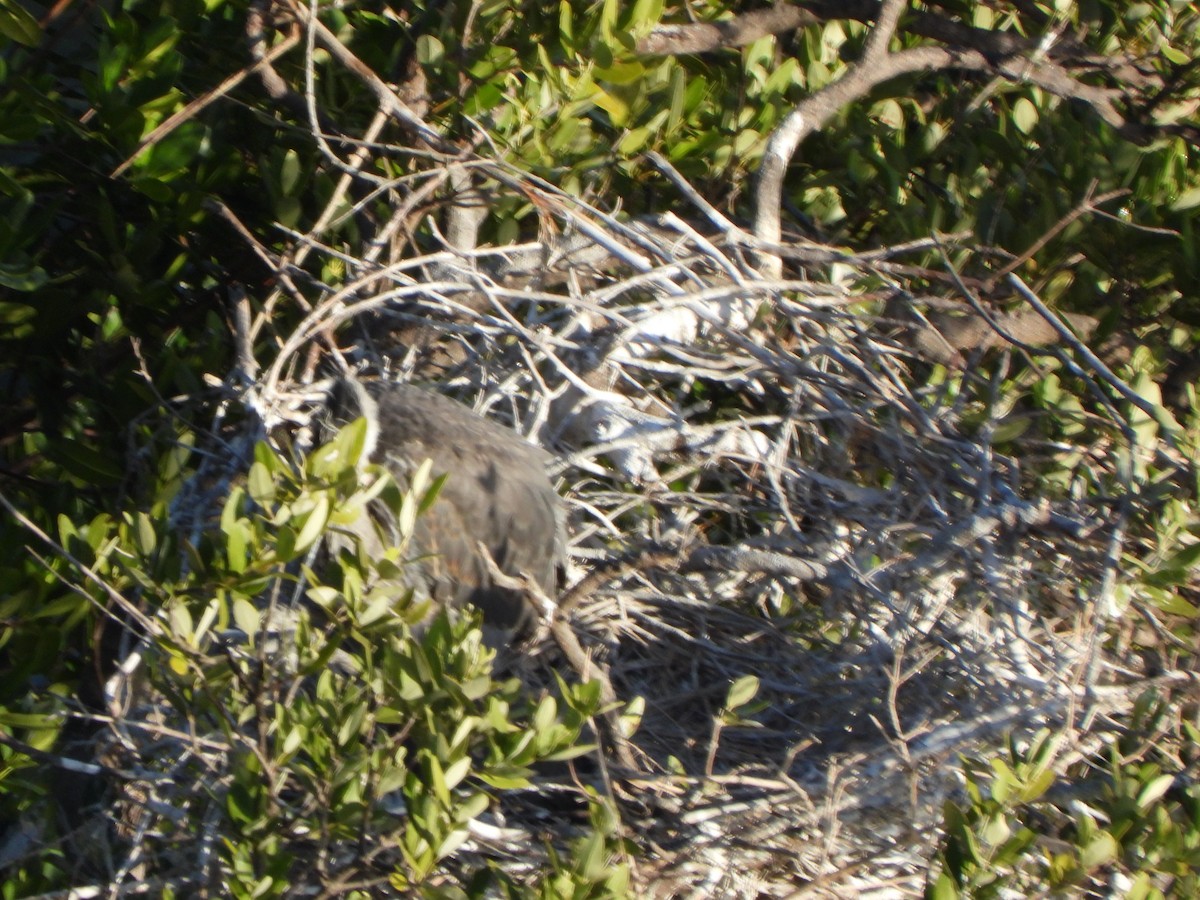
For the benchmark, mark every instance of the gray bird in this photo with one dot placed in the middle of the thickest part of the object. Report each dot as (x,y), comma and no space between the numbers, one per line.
(496,493)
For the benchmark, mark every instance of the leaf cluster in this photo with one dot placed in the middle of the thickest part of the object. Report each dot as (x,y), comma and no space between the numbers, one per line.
(322,724)
(333,729)
(1130,821)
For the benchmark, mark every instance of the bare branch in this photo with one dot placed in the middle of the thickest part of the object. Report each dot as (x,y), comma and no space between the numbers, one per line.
(702,37)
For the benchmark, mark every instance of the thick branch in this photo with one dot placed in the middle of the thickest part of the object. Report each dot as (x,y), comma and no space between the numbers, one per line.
(703,37)
(1057,68)
(818,109)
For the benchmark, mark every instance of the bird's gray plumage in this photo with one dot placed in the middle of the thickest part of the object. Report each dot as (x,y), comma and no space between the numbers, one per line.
(496,493)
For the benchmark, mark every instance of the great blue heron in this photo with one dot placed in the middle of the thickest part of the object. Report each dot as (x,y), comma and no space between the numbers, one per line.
(496,494)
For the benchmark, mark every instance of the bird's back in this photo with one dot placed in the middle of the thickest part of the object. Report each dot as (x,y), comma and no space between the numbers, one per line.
(496,493)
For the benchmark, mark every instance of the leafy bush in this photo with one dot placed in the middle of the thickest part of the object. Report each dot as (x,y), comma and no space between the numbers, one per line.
(1128,824)
(190,194)
(347,738)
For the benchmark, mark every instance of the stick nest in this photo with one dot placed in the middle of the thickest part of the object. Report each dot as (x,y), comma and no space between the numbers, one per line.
(767,478)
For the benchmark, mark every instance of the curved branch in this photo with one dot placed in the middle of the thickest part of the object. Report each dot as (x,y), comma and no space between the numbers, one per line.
(812,113)
(704,37)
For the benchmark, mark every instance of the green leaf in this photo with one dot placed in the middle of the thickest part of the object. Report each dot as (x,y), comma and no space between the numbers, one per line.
(634,141)
(1152,792)
(22,276)
(314,525)
(593,856)
(406,522)
(499,58)
(472,807)
(741,692)
(264,455)
(351,726)
(1010,428)
(229,512)
(617,109)
(240,804)
(245,616)
(890,113)
(86,463)
(1101,850)
(631,717)
(1189,199)
(260,484)
(1169,601)
(177,663)
(996,830)
(27,720)
(463,732)
(455,839)
(18,24)
(378,605)
(476,688)
(430,51)
(573,752)
(944,888)
(624,74)
(290,171)
(1143,888)
(210,614)
(645,16)
(437,781)
(1144,425)
(484,99)
(510,779)
(144,534)
(179,618)
(566,28)
(432,494)
(325,597)
(1038,785)
(69,606)
(237,547)
(1025,115)
(341,454)
(420,478)
(543,717)
(1003,781)
(457,771)
(785,75)
(1185,559)
(293,740)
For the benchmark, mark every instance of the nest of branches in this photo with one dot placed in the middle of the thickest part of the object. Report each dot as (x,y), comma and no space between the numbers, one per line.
(804,555)
(801,556)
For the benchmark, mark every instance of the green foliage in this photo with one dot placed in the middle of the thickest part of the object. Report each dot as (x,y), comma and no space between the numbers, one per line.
(355,719)
(1133,822)
(91,263)
(115,251)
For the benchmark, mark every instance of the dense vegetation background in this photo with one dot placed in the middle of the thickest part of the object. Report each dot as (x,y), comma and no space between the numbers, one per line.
(867,333)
